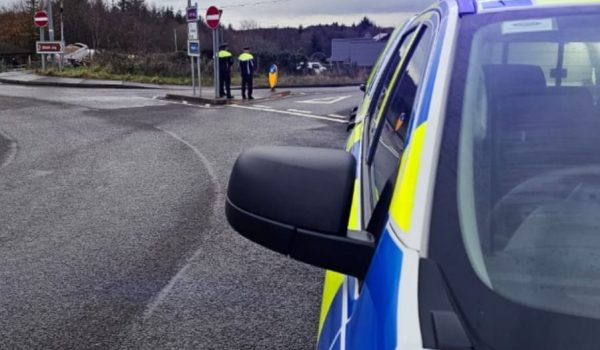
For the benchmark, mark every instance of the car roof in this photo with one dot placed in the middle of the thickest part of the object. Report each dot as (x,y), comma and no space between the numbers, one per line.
(482,6)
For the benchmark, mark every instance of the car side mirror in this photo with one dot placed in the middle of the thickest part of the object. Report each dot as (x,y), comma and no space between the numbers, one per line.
(296,201)
(363,87)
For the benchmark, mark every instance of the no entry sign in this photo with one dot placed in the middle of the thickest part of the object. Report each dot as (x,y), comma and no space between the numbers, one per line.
(213,16)
(40,19)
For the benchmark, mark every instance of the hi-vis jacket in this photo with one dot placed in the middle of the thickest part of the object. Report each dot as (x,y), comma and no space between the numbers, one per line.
(246,64)
(225,61)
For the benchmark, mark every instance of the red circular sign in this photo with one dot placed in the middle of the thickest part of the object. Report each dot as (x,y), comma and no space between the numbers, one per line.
(213,16)
(40,19)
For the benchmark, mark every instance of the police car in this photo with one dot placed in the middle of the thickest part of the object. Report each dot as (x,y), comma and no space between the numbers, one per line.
(465,212)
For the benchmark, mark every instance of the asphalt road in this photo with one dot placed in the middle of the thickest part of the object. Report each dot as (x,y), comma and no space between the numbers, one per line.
(112,227)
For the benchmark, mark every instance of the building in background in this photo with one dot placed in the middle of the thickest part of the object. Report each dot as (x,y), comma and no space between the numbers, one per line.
(360,52)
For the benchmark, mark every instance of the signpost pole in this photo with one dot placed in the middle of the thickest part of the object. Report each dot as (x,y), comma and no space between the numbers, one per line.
(50,27)
(216,62)
(193,76)
(199,76)
(62,37)
(43,38)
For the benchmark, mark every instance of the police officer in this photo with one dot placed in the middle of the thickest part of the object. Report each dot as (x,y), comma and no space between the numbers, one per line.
(225,63)
(247,69)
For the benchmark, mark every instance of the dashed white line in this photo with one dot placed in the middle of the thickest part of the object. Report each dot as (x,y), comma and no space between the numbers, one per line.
(313,116)
(299,111)
(326,100)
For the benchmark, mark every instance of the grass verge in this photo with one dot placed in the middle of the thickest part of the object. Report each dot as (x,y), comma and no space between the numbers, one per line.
(105,73)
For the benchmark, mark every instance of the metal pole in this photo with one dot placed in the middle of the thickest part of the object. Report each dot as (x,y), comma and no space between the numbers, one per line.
(62,37)
(199,75)
(193,76)
(42,38)
(216,61)
(50,27)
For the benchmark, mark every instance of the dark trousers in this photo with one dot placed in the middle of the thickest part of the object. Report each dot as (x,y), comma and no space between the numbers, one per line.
(225,84)
(246,84)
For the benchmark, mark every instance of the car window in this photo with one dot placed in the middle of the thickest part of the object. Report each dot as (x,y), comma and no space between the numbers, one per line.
(528,169)
(382,63)
(388,75)
(398,111)
(520,53)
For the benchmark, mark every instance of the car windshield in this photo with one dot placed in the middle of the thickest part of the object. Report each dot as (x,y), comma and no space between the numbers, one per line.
(528,160)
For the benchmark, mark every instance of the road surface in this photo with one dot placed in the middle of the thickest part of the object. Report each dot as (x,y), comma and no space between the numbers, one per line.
(112,228)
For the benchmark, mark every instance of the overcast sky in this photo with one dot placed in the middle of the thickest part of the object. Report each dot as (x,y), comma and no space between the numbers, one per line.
(292,13)
(295,12)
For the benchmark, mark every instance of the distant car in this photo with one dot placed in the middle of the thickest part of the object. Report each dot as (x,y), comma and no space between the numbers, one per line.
(464,212)
(313,67)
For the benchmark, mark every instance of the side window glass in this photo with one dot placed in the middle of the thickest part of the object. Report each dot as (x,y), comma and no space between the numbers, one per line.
(379,96)
(398,111)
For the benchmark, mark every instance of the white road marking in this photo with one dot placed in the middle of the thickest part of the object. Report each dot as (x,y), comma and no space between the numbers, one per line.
(299,111)
(337,116)
(12,153)
(216,211)
(326,100)
(290,113)
(263,106)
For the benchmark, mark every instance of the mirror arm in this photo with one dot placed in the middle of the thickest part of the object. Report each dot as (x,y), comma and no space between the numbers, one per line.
(349,255)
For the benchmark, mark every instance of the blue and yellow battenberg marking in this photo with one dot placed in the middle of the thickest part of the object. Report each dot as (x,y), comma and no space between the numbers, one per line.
(334,280)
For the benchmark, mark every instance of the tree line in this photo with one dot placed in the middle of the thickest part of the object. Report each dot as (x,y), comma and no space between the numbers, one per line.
(132,27)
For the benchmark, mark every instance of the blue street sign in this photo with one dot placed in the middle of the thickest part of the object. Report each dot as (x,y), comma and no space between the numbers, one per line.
(194,48)
(191,14)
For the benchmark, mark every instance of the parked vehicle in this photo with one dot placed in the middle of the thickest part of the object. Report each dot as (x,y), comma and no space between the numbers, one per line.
(312,67)
(463,214)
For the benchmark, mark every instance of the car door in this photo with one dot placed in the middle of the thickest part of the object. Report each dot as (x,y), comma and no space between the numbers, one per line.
(362,313)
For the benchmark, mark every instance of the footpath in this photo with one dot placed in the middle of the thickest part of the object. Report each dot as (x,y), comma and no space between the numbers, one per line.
(173,92)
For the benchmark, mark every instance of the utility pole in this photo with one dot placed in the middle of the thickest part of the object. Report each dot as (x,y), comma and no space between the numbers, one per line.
(43,38)
(175,38)
(50,27)
(62,36)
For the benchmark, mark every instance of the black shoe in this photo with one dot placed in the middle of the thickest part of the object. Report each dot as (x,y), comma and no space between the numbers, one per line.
(251,98)
(243,97)
(230,96)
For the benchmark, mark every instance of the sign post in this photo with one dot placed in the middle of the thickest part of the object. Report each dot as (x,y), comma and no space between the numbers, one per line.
(194,51)
(193,45)
(62,36)
(213,16)
(40,20)
(50,26)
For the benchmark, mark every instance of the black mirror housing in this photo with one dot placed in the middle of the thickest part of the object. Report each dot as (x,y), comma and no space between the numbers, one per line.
(296,201)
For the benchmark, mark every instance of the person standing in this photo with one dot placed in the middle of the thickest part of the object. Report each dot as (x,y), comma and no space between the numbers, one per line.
(225,63)
(247,69)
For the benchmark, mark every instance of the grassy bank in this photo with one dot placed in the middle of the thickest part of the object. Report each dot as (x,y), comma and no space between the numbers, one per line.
(106,73)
